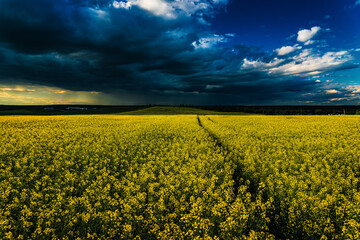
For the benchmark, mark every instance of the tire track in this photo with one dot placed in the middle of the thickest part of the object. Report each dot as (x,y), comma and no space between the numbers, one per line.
(228,156)
(240,177)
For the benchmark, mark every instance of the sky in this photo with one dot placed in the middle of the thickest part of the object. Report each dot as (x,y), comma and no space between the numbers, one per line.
(200,52)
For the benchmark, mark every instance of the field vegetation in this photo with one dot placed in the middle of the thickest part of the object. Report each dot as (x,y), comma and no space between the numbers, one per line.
(179,177)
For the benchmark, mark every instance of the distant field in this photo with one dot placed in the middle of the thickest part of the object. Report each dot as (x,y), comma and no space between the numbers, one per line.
(64,110)
(127,110)
(170,110)
(178,111)
(165,173)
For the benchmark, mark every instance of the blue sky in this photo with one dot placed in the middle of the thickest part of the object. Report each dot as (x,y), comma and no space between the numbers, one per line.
(202,52)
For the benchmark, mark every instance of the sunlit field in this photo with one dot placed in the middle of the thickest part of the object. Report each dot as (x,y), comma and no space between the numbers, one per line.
(179,177)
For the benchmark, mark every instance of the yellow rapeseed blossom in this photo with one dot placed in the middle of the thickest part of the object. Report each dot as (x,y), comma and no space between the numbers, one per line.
(179,177)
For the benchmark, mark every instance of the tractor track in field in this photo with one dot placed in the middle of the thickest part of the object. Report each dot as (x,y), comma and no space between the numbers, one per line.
(228,155)
(238,175)
(214,138)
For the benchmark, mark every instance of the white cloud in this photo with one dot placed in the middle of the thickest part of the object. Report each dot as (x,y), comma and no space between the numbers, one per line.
(100,14)
(312,64)
(125,5)
(309,42)
(307,34)
(156,7)
(303,55)
(171,9)
(259,65)
(337,99)
(190,7)
(209,41)
(306,63)
(332,91)
(355,89)
(287,49)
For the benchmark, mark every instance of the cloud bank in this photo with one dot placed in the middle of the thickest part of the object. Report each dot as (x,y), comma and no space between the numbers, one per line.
(152,52)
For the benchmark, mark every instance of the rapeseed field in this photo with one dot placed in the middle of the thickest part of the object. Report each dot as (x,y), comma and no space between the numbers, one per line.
(179,177)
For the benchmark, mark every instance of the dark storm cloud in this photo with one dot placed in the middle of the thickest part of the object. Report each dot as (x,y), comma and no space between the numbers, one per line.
(94,46)
(69,43)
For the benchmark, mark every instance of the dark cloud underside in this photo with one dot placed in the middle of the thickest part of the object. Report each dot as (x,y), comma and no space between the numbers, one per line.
(157,56)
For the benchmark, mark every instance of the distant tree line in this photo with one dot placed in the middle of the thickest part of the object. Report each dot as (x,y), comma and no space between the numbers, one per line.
(288,110)
(108,109)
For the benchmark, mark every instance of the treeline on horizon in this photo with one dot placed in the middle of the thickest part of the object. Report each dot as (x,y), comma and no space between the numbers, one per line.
(288,110)
(109,109)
